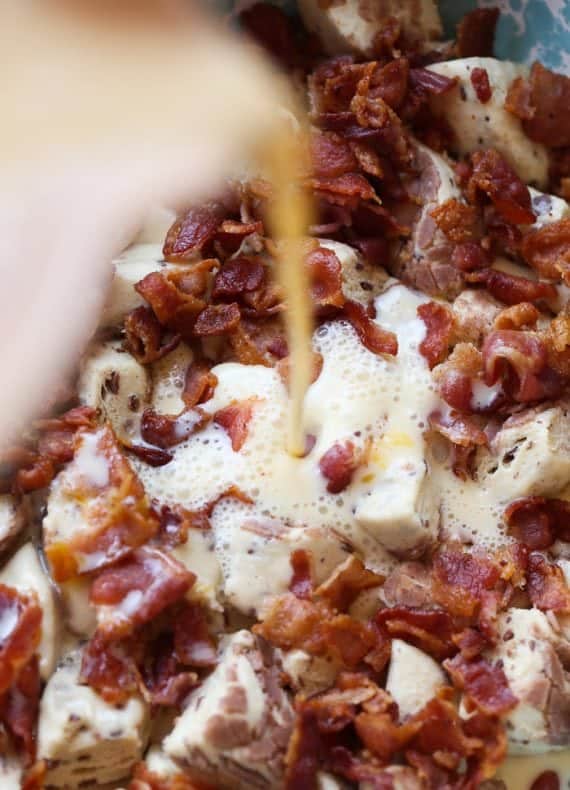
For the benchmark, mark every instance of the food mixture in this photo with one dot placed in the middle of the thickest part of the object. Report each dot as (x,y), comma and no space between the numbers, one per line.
(186,605)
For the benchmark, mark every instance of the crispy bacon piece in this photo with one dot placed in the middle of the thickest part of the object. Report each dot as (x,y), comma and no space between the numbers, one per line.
(459,221)
(153,456)
(469,257)
(372,336)
(458,428)
(512,289)
(485,684)
(481,85)
(235,419)
(346,583)
(546,585)
(137,589)
(537,102)
(193,643)
(331,155)
(199,384)
(176,521)
(496,178)
(456,375)
(109,669)
(519,359)
(439,323)
(476,33)
(19,708)
(217,319)
(429,81)
(301,583)
(431,631)
(389,82)
(166,430)
(338,465)
(538,522)
(325,276)
(191,233)
(144,336)
(346,190)
(115,511)
(237,276)
(518,316)
(21,618)
(547,250)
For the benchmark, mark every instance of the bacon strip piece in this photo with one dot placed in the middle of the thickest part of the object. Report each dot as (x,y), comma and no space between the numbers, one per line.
(338,466)
(21,618)
(496,178)
(238,276)
(439,323)
(166,430)
(537,103)
(144,336)
(109,669)
(325,275)
(331,155)
(481,85)
(346,583)
(190,234)
(372,336)
(199,384)
(538,522)
(547,250)
(546,585)
(19,707)
(137,589)
(235,419)
(431,631)
(457,220)
(476,33)
(512,289)
(301,583)
(486,685)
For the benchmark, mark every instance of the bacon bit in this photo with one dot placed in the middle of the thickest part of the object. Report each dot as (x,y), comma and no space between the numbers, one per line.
(455,376)
(235,419)
(325,276)
(346,583)
(547,250)
(458,221)
(512,289)
(237,276)
(199,384)
(476,33)
(38,476)
(430,631)
(23,614)
(303,756)
(368,160)
(461,581)
(108,669)
(486,685)
(191,233)
(429,81)
(19,708)
(346,190)
(390,82)
(252,341)
(481,85)
(117,515)
(376,252)
(382,735)
(217,319)
(193,643)
(144,336)
(495,177)
(548,780)
(538,522)
(469,257)
(517,316)
(439,323)
(537,103)
(519,359)
(546,585)
(372,336)
(338,466)
(166,430)
(150,455)
(231,234)
(301,584)
(458,428)
(150,577)
(331,155)
(471,643)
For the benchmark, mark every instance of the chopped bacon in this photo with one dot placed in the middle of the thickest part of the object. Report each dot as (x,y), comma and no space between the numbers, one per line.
(238,276)
(476,33)
(189,234)
(429,81)
(19,707)
(135,590)
(439,323)
(546,585)
(537,102)
(469,257)
(199,384)
(481,85)
(301,583)
(21,618)
(538,522)
(115,512)
(152,456)
(512,289)
(372,336)
(38,475)
(165,430)
(331,155)
(345,190)
(346,583)
(193,643)
(456,375)
(464,582)
(431,631)
(547,250)
(458,428)
(325,277)
(217,319)
(338,465)
(496,178)
(235,419)
(459,221)
(485,685)
(517,316)
(108,668)
(144,336)
(389,82)
(519,359)
(174,307)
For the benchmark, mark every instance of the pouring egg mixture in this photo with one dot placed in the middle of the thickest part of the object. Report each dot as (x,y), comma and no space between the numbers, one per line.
(184,603)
